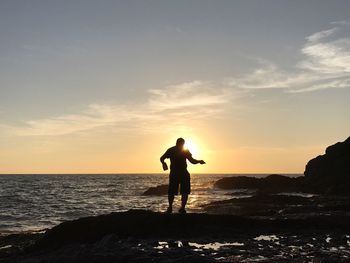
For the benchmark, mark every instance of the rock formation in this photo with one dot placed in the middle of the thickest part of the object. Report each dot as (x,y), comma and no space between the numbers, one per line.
(325,174)
(330,173)
(157,190)
(146,224)
(273,183)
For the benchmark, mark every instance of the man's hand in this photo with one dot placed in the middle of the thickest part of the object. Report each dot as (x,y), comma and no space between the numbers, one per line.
(201,162)
(165,166)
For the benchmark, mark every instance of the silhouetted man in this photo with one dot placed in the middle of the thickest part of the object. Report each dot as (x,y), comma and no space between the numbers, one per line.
(178,173)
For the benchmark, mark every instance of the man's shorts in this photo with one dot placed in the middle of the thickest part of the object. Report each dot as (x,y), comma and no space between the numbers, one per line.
(179,178)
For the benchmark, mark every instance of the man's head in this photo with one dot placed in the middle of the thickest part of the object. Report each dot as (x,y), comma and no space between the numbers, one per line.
(180,143)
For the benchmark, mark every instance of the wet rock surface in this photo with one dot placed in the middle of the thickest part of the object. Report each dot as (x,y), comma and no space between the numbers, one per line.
(252,248)
(282,206)
(124,237)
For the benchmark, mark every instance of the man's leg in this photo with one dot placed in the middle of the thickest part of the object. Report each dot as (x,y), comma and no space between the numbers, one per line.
(172,190)
(170,200)
(184,198)
(185,191)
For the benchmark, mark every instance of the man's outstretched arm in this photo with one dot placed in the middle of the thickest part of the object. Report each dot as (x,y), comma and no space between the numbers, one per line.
(194,161)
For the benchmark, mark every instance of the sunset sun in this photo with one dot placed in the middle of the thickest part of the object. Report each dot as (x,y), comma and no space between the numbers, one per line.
(192,147)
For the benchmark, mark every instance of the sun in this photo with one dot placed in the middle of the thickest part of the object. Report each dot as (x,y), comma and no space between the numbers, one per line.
(191,146)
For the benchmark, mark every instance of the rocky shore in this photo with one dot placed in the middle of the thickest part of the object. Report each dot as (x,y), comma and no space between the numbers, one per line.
(145,236)
(285,206)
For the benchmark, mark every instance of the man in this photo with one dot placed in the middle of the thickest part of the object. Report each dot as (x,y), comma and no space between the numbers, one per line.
(178,173)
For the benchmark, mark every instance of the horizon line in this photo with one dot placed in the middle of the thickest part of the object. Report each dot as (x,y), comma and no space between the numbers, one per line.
(135,173)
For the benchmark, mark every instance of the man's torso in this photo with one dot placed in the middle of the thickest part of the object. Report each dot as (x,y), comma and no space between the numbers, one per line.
(177,159)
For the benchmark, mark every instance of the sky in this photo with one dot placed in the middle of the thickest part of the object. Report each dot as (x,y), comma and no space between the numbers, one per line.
(107,86)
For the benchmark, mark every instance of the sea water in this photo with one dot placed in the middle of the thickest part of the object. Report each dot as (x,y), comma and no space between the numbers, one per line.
(35,202)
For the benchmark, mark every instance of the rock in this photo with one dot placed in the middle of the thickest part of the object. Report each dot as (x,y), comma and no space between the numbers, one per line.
(105,241)
(273,183)
(261,204)
(330,173)
(146,224)
(158,190)
(325,174)
(282,205)
(239,182)
(135,236)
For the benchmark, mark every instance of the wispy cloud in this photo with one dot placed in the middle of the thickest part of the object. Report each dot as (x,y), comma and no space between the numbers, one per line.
(269,76)
(176,104)
(188,95)
(322,34)
(326,65)
(342,22)
(331,57)
(93,117)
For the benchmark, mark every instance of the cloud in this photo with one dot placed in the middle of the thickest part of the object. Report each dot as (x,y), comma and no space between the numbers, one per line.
(269,76)
(325,65)
(342,22)
(187,95)
(327,57)
(322,34)
(93,117)
(176,104)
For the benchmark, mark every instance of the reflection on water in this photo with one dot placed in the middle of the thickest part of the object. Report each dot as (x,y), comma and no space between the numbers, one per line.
(197,246)
(306,195)
(215,245)
(5,247)
(162,245)
(266,248)
(266,238)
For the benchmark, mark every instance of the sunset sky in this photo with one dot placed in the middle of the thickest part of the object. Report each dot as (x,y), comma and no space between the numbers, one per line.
(107,86)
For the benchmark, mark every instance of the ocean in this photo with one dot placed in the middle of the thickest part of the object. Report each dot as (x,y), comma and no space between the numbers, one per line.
(37,202)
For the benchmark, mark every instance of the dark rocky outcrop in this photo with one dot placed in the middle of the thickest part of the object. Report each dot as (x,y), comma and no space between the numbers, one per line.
(144,236)
(147,224)
(325,174)
(273,183)
(330,173)
(158,190)
(282,206)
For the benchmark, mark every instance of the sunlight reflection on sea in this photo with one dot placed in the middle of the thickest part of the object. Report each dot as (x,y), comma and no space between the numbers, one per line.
(34,202)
